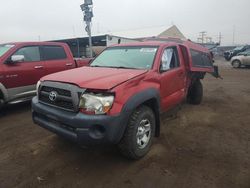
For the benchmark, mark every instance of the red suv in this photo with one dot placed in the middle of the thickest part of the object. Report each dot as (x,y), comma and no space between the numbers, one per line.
(23,64)
(119,98)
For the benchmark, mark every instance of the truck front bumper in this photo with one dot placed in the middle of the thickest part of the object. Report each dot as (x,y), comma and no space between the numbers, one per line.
(78,127)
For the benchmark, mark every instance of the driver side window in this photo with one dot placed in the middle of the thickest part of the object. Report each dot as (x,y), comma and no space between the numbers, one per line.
(30,53)
(169,59)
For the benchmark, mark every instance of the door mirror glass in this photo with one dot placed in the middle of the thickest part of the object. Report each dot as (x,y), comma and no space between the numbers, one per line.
(17,58)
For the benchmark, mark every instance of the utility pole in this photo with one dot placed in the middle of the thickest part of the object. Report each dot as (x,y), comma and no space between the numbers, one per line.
(87,9)
(202,38)
(220,38)
(234,34)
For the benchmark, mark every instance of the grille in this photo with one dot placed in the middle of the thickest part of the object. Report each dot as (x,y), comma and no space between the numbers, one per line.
(63,99)
(62,92)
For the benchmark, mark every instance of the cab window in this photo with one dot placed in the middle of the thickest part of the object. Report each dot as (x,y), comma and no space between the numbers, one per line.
(200,59)
(30,53)
(53,53)
(169,59)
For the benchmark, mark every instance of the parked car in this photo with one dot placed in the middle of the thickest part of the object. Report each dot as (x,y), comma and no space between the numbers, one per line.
(229,54)
(122,94)
(242,59)
(23,64)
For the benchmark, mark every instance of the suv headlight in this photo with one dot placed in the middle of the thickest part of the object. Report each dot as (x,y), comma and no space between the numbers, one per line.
(96,103)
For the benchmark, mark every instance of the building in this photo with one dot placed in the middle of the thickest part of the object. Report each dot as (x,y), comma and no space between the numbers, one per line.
(79,46)
(172,32)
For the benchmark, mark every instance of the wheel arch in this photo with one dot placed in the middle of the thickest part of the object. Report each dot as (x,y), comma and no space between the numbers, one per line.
(149,97)
(3,92)
(234,60)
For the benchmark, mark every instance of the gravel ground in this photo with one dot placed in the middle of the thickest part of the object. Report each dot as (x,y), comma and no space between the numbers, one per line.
(205,146)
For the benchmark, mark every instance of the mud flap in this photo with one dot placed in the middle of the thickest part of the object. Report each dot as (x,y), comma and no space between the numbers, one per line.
(216,73)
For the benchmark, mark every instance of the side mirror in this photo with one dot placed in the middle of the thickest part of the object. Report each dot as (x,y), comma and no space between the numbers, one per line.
(17,58)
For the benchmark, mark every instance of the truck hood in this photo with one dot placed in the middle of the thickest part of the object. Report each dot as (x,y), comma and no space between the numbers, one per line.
(95,77)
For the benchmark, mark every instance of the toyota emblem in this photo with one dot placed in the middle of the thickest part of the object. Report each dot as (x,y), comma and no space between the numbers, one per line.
(52,96)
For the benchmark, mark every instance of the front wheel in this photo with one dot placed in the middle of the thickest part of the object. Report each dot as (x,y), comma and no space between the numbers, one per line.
(138,136)
(236,64)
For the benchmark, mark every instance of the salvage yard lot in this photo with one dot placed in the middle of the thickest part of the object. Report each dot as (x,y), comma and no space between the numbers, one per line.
(205,146)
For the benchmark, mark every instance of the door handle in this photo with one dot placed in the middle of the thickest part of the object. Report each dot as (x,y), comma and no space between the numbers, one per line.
(181,74)
(69,64)
(38,67)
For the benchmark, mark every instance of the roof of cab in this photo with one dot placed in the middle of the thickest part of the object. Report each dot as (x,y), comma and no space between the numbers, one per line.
(163,41)
(35,43)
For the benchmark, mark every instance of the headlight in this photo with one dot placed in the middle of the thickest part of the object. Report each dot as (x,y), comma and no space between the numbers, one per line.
(96,103)
(37,87)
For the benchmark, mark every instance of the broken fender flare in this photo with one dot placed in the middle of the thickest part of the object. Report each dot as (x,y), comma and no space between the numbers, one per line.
(140,98)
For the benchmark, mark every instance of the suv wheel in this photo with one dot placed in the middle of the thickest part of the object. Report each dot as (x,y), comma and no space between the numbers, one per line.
(195,93)
(236,64)
(138,136)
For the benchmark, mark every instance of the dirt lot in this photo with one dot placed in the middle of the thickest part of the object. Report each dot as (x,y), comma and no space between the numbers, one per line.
(205,146)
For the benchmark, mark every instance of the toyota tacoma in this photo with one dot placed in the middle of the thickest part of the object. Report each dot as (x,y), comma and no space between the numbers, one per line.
(118,99)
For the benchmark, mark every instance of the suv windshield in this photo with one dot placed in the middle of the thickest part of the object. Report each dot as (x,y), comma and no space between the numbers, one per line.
(130,57)
(5,48)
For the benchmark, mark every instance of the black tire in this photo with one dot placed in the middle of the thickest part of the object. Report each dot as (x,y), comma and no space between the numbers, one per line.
(128,146)
(195,93)
(236,64)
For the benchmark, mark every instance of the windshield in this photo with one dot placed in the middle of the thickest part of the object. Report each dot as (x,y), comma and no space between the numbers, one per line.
(239,48)
(5,48)
(126,57)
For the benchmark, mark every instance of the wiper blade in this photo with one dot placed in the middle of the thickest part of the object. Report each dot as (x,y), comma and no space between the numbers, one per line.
(121,67)
(115,67)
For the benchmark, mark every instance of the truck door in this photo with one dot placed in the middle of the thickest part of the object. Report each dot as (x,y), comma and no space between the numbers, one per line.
(172,72)
(56,59)
(24,74)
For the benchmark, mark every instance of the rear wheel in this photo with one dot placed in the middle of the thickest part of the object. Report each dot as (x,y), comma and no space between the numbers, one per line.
(195,93)
(236,64)
(138,136)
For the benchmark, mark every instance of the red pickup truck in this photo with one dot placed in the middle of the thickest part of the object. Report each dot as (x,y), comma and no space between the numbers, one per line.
(118,99)
(23,64)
